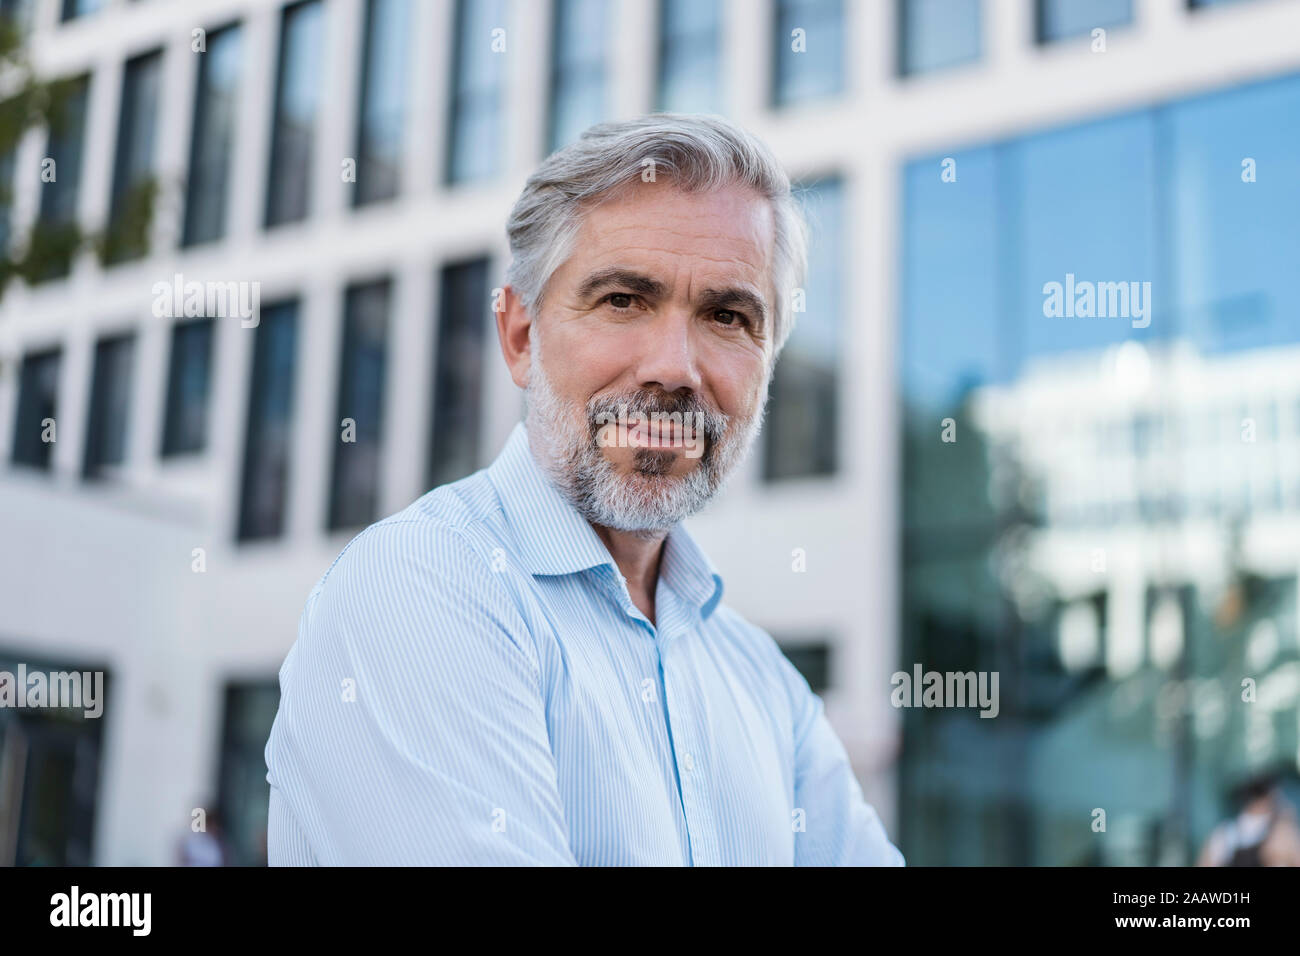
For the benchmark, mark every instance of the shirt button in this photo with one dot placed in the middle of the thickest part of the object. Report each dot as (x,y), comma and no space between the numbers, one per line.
(688,761)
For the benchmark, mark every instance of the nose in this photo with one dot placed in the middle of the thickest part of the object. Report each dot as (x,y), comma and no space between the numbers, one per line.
(669,357)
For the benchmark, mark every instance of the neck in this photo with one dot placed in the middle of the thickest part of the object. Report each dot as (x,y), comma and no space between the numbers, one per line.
(638,558)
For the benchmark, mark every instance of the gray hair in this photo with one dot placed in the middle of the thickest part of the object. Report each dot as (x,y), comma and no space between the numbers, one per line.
(698,152)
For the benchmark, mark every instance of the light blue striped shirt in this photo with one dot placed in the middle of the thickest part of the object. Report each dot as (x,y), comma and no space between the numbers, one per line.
(472,684)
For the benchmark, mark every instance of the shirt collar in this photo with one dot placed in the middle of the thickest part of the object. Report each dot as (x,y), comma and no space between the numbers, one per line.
(553,538)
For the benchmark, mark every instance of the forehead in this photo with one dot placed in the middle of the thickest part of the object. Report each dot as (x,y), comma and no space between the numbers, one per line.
(727,231)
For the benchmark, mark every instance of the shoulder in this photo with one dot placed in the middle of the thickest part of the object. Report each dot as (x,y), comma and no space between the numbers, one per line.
(452,530)
(428,574)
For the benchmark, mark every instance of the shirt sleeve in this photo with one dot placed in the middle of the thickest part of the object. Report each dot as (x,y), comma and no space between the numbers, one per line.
(840,827)
(412,726)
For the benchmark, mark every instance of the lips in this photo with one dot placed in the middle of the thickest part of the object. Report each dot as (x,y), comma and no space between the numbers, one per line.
(655,434)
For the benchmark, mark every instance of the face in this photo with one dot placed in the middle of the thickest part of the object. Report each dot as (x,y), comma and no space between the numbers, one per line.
(646,366)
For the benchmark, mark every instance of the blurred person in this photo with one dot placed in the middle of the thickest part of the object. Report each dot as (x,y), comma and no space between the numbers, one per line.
(533,665)
(1264,832)
(204,847)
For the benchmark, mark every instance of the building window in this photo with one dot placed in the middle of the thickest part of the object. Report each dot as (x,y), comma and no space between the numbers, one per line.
(57,226)
(382,112)
(690,56)
(38,394)
(243,795)
(188,380)
(133,167)
(297,95)
(458,379)
(578,44)
(270,419)
(354,495)
(212,142)
(933,34)
(79,8)
(110,405)
(803,410)
(1065,19)
(477,92)
(808,54)
(18,13)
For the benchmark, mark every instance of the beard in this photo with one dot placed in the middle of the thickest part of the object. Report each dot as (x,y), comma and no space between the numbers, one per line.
(648,501)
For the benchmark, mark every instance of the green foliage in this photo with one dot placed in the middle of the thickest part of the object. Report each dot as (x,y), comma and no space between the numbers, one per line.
(47,252)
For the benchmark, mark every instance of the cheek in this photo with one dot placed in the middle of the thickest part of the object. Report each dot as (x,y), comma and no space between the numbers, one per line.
(739,385)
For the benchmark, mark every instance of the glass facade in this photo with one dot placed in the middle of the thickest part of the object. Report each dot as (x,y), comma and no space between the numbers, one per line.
(578,73)
(297,101)
(354,495)
(464,313)
(803,409)
(476,114)
(38,395)
(267,437)
(1063,19)
(212,142)
(690,56)
(808,50)
(110,405)
(133,168)
(1100,368)
(185,429)
(933,34)
(382,113)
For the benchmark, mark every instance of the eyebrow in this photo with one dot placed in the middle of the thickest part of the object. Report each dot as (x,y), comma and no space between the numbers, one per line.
(641,284)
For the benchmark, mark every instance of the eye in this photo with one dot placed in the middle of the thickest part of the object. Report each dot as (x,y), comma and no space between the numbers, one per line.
(731,318)
(620,300)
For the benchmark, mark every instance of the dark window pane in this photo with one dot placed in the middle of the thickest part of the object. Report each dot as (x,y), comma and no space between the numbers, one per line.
(803,410)
(690,56)
(578,73)
(110,405)
(186,426)
(937,33)
(270,419)
(133,169)
(19,13)
(808,65)
(354,494)
(458,380)
(72,9)
(1063,19)
(38,393)
(383,100)
(243,795)
(477,113)
(297,94)
(812,660)
(59,196)
(215,104)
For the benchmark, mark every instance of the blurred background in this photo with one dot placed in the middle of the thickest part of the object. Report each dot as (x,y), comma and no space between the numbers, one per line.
(1104,513)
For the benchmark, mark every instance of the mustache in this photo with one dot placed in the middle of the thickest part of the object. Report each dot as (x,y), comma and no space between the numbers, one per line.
(691,408)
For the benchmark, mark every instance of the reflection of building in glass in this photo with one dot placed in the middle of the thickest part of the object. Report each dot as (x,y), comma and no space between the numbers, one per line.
(1113,521)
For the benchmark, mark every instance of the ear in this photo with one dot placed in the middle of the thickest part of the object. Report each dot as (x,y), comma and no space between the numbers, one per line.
(514,330)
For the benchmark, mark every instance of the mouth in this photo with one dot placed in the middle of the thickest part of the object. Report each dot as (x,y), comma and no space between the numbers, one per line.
(666,435)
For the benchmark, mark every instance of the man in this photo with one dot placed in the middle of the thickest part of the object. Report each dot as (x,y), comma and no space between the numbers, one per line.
(533,665)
